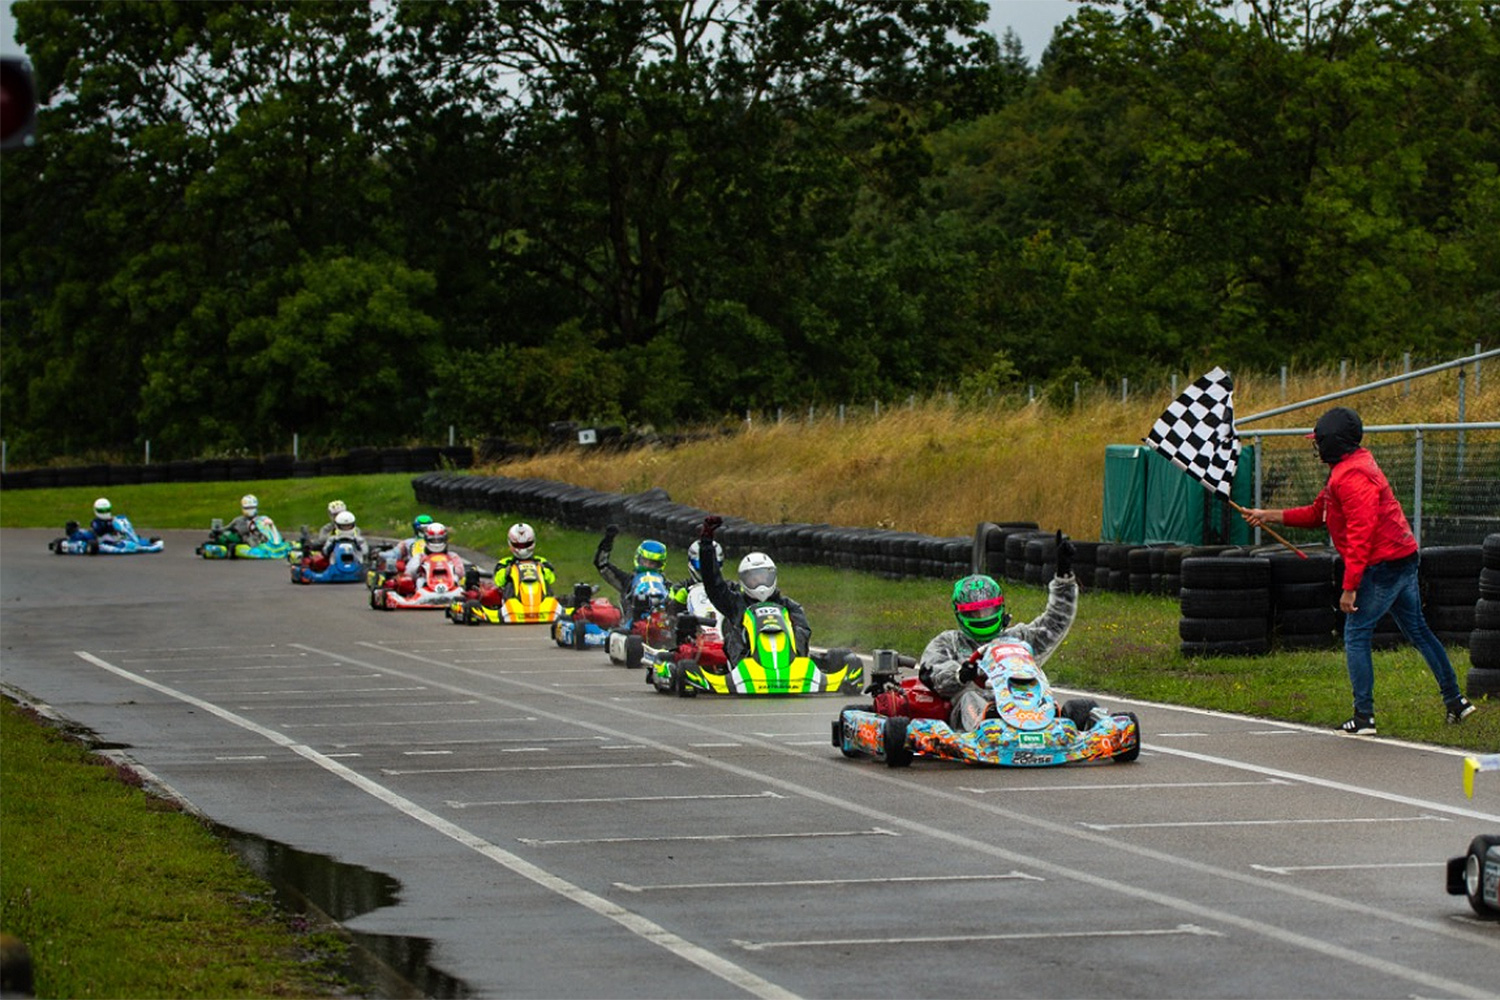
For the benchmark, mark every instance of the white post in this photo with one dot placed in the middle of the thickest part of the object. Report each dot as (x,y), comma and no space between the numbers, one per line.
(1406,370)
(841,414)
(747,418)
(450,435)
(1476,369)
(809,415)
(1343,371)
(1283,383)
(1124,390)
(295,452)
(148,451)
(877,408)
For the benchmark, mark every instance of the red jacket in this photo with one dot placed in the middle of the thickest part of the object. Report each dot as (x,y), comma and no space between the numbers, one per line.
(1363,516)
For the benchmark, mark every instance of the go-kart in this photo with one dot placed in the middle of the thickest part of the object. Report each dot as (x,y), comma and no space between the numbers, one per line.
(773,666)
(124,541)
(654,626)
(523,600)
(440,584)
(345,564)
(1023,727)
(1476,873)
(225,544)
(699,643)
(586,623)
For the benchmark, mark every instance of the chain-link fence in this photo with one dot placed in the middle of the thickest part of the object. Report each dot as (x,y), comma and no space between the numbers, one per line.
(1446,476)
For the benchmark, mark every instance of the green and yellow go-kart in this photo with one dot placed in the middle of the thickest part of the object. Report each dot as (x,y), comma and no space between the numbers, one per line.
(774,665)
(226,544)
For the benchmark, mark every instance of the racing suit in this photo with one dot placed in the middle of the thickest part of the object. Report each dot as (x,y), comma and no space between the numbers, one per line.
(620,580)
(339,535)
(502,573)
(99,529)
(416,566)
(730,600)
(948,651)
(245,529)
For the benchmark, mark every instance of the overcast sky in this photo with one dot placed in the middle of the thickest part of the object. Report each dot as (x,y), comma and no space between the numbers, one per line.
(1032,21)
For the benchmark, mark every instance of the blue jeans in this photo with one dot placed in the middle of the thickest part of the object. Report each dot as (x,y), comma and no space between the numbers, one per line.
(1391,586)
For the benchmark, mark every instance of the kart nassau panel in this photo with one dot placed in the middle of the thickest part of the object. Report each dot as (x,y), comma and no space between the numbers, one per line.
(586,626)
(993,741)
(125,542)
(343,565)
(274,546)
(797,675)
(441,585)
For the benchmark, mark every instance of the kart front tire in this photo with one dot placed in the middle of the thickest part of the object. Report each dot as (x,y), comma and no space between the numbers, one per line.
(1474,862)
(680,682)
(893,738)
(377,599)
(635,649)
(1134,751)
(580,634)
(838,729)
(1078,711)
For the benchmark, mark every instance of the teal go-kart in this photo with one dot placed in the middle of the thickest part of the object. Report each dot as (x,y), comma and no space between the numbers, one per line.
(226,544)
(774,665)
(1023,727)
(123,542)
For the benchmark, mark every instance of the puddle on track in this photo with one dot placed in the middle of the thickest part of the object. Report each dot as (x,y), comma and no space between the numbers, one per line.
(387,965)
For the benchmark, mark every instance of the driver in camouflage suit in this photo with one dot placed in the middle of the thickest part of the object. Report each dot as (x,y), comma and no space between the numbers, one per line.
(948,664)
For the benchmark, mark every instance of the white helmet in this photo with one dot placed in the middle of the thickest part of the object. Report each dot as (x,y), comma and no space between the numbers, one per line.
(758,575)
(249,505)
(335,508)
(103,510)
(436,535)
(522,540)
(344,520)
(694,571)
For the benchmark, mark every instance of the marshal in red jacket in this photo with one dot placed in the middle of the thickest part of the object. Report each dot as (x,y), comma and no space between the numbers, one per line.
(1364,518)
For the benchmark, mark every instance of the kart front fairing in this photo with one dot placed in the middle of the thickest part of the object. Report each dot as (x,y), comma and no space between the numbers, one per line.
(1024,727)
(124,542)
(587,624)
(775,666)
(343,565)
(440,584)
(523,600)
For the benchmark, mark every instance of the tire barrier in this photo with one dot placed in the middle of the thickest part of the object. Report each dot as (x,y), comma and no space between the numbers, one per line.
(1304,600)
(1484,641)
(1449,579)
(359,461)
(1226,606)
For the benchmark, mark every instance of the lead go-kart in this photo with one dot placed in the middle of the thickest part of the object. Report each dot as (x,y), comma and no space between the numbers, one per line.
(773,666)
(123,542)
(1476,873)
(345,564)
(523,599)
(1023,727)
(586,621)
(225,544)
(440,584)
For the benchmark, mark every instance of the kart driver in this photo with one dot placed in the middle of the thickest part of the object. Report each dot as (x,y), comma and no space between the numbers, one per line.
(949,664)
(522,539)
(244,527)
(434,542)
(408,547)
(345,528)
(757,585)
(101,528)
(335,507)
(650,557)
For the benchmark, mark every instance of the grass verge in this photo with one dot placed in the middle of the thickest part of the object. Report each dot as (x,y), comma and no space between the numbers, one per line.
(117,893)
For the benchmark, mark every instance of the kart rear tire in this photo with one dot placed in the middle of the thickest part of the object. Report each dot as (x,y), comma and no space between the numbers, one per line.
(838,728)
(1474,862)
(635,649)
(580,632)
(1126,756)
(680,682)
(377,599)
(1078,710)
(893,738)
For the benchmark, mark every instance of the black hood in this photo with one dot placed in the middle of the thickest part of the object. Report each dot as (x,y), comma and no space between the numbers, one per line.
(1338,432)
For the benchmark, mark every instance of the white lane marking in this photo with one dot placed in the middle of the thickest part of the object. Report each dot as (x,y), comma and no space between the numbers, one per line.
(715,746)
(426,753)
(208,669)
(619,798)
(638,925)
(1289,869)
(1267,822)
(1307,779)
(895,879)
(1181,929)
(341,756)
(322,706)
(714,837)
(1364,960)
(342,690)
(1163,736)
(538,767)
(475,741)
(243,756)
(410,722)
(1136,786)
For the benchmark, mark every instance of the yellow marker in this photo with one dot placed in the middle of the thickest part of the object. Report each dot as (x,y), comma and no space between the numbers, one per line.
(1489,762)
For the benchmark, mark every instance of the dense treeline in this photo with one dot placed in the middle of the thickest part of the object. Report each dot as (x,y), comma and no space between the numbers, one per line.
(365,222)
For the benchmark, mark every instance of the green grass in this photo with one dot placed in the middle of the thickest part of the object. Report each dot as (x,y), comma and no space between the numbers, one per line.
(117,894)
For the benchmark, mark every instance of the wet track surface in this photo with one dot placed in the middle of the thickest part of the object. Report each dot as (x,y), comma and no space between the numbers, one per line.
(555,828)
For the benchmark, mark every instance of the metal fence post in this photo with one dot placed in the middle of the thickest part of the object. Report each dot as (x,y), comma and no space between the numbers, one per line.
(148,451)
(1461,420)
(1283,384)
(296,452)
(1255,447)
(1406,370)
(1416,503)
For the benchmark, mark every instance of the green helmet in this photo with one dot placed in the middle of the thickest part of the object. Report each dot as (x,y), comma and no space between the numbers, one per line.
(979,606)
(420,522)
(652,555)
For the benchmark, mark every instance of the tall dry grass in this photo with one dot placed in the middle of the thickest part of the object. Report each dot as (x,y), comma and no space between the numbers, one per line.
(940,466)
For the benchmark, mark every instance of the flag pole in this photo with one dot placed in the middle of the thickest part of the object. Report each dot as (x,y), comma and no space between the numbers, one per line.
(1270,531)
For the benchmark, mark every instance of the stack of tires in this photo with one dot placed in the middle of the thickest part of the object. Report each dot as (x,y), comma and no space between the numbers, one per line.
(1304,600)
(1226,606)
(989,545)
(1449,579)
(1484,641)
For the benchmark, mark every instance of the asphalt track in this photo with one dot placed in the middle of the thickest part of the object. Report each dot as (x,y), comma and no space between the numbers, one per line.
(560,830)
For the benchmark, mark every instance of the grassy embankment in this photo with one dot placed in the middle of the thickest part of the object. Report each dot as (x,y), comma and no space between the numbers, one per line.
(930,468)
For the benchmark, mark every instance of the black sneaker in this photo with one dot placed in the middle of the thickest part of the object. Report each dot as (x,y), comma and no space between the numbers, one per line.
(1460,709)
(1359,725)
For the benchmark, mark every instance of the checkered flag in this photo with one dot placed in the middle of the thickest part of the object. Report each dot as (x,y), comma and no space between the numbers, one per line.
(1196,432)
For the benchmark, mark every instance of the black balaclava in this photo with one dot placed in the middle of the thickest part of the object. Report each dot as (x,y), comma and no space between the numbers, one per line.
(1338,432)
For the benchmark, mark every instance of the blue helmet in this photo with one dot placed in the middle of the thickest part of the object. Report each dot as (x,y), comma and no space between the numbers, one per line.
(652,555)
